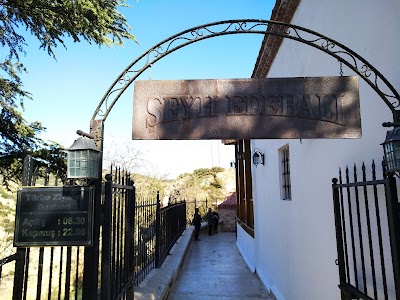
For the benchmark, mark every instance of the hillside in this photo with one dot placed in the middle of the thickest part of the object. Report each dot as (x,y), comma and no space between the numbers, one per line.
(7,217)
(202,184)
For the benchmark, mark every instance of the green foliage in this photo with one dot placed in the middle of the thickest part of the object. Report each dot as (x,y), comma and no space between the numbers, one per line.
(4,194)
(147,187)
(7,216)
(95,21)
(204,171)
(49,158)
(203,188)
(202,184)
(51,22)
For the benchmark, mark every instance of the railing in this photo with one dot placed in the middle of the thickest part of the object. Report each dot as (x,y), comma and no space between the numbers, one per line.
(9,266)
(170,224)
(366,219)
(137,236)
(144,237)
(41,272)
(156,230)
(117,271)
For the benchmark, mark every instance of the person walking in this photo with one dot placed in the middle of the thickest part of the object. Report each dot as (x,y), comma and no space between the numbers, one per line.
(216,220)
(197,223)
(210,219)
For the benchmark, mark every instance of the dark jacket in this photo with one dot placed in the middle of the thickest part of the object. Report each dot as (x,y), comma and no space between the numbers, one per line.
(210,218)
(196,220)
(216,217)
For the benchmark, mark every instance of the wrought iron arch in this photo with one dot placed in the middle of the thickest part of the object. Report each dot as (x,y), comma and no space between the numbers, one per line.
(244,26)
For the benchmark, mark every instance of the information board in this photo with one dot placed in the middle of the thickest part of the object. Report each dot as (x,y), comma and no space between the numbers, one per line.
(54,216)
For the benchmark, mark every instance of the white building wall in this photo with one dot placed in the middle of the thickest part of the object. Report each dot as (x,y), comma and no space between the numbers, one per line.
(295,243)
(247,247)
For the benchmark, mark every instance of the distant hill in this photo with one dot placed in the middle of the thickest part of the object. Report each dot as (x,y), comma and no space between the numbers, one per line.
(202,184)
(212,184)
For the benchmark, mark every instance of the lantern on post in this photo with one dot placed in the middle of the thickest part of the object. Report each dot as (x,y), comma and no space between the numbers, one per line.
(391,149)
(83,159)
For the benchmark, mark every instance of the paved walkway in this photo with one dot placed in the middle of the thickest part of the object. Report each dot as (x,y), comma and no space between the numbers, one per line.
(214,269)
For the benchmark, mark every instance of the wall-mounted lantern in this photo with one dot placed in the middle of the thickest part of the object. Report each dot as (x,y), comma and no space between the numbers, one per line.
(258,157)
(83,159)
(391,149)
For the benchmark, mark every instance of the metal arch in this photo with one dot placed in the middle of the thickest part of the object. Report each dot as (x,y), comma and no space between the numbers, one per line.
(243,26)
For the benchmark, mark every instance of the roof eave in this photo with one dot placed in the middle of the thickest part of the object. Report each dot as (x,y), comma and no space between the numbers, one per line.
(283,11)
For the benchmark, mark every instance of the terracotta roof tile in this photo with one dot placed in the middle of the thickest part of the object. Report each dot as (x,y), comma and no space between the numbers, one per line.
(230,200)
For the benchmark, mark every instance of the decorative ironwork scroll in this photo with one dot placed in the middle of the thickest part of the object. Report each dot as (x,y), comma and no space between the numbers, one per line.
(250,26)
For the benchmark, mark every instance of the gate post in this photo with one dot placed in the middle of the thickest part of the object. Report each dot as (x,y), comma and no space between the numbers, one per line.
(19,275)
(130,241)
(106,241)
(158,230)
(392,204)
(339,239)
(91,255)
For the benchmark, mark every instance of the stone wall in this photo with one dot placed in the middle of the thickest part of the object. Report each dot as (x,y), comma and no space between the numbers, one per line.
(227,216)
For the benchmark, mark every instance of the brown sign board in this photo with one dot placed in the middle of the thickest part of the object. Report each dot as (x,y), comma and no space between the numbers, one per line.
(257,108)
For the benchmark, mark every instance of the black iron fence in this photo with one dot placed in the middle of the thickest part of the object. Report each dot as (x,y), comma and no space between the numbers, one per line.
(42,272)
(133,236)
(367,232)
(156,230)
(145,237)
(117,259)
(170,223)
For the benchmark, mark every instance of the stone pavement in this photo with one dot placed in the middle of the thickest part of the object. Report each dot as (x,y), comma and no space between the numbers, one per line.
(214,269)
(211,268)
(158,282)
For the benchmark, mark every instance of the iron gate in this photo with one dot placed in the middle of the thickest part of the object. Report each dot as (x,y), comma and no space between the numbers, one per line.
(42,272)
(73,272)
(70,272)
(117,261)
(367,233)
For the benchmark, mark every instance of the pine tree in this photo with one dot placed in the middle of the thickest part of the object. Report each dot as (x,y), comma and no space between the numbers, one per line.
(51,22)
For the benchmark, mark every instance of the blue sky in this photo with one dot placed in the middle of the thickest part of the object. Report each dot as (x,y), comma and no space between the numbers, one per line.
(67,91)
